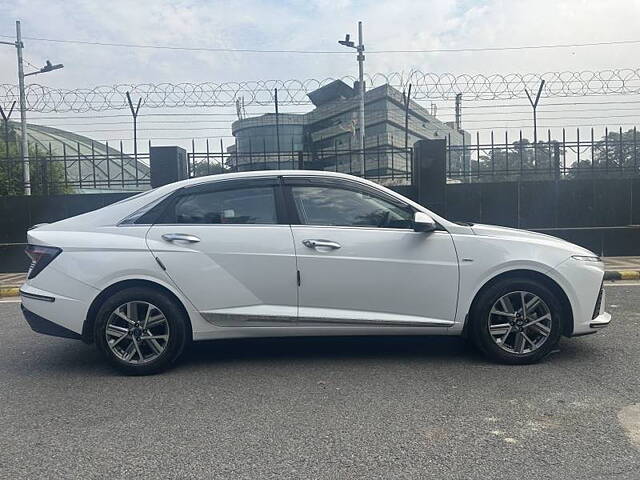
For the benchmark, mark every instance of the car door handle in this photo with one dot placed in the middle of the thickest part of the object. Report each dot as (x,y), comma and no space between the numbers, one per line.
(182,237)
(321,243)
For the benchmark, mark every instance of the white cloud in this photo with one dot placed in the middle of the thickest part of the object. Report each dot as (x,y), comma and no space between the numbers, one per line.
(389,24)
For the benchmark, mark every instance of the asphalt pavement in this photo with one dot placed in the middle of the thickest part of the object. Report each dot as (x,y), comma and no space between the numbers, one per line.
(326,408)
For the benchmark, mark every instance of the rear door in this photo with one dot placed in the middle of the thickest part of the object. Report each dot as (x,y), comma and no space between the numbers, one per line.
(362,263)
(225,246)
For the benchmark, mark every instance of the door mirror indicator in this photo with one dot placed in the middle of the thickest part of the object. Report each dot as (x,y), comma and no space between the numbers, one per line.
(422,222)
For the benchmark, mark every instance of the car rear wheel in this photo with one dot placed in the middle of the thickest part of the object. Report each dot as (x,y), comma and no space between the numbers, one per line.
(516,321)
(140,331)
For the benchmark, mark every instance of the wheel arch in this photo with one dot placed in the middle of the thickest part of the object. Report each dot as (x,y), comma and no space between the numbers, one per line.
(87,327)
(567,320)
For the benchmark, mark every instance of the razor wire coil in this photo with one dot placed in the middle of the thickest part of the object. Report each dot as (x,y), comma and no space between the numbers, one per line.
(425,86)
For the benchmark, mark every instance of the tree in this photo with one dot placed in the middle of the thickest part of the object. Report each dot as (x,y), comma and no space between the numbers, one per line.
(47,177)
(613,156)
(522,160)
(202,168)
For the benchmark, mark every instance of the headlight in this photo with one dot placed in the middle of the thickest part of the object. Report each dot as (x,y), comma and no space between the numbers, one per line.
(587,258)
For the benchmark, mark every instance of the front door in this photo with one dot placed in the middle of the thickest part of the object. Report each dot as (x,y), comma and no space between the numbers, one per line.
(223,245)
(361,262)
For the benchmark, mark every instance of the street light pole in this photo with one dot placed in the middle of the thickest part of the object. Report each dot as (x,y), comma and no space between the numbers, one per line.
(26,176)
(360,49)
(23,103)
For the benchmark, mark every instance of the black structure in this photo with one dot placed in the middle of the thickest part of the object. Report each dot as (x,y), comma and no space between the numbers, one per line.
(19,213)
(602,214)
(168,164)
(429,174)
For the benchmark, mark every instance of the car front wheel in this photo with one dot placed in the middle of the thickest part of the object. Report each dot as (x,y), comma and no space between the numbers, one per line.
(516,321)
(140,331)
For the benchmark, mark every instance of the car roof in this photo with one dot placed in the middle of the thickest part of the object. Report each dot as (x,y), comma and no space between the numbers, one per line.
(261,173)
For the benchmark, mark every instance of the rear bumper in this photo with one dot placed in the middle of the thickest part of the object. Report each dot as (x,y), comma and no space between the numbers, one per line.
(47,327)
(54,303)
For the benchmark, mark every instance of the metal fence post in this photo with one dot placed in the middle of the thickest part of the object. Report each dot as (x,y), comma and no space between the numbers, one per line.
(93,163)
(64,163)
(556,160)
(79,165)
(108,166)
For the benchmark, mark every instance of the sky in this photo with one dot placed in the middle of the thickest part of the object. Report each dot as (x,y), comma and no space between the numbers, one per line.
(317,25)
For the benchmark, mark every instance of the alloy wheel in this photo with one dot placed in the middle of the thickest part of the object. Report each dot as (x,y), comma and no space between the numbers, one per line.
(520,322)
(137,332)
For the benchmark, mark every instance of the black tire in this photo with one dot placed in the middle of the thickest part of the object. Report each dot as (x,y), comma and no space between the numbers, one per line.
(479,318)
(176,329)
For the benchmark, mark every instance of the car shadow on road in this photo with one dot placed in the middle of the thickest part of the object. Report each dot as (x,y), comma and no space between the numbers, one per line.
(76,358)
(406,348)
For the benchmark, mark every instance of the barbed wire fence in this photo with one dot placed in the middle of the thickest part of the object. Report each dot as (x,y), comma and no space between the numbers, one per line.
(497,90)
(426,86)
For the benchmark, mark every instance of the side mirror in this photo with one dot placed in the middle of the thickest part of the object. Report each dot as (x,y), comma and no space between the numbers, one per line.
(423,222)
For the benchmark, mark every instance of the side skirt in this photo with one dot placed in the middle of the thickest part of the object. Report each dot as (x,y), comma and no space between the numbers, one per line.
(243,320)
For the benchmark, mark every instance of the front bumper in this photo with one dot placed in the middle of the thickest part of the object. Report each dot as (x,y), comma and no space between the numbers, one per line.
(47,327)
(600,321)
(582,283)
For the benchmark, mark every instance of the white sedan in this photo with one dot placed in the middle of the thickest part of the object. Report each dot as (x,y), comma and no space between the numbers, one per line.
(281,253)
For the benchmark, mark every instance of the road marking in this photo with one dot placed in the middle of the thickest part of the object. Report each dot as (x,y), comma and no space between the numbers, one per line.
(622,284)
(629,418)
(630,275)
(11,300)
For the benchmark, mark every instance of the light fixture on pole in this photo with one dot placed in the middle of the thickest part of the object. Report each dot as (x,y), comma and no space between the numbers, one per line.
(360,49)
(48,67)
(23,103)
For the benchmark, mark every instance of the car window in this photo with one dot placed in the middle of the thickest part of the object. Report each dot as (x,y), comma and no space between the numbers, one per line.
(350,208)
(240,206)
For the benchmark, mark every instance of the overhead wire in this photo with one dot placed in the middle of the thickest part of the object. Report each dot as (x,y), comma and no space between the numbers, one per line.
(332,52)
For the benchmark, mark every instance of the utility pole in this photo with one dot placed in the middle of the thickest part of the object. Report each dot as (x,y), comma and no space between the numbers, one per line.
(360,49)
(23,103)
(23,113)
(534,105)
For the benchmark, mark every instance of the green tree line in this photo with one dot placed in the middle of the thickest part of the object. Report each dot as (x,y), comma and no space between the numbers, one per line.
(47,178)
(612,156)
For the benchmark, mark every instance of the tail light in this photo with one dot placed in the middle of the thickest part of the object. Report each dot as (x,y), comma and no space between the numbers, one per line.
(40,256)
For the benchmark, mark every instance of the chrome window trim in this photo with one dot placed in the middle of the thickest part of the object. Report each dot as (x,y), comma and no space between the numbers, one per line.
(376,229)
(216,225)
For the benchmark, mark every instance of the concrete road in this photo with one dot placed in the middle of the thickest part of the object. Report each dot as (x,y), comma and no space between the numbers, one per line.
(325,408)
